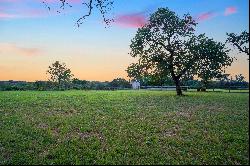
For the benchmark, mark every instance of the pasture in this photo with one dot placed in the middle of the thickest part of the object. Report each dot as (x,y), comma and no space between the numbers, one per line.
(123,127)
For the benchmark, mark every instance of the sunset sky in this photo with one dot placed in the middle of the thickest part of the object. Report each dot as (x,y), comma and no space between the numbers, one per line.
(32,37)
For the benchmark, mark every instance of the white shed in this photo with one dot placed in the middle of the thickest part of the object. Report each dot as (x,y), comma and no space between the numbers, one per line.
(135,84)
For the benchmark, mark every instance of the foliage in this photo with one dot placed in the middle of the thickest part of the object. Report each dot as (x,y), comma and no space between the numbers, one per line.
(97,85)
(167,46)
(60,75)
(157,79)
(214,60)
(79,84)
(45,85)
(16,85)
(241,42)
(239,78)
(135,71)
(120,83)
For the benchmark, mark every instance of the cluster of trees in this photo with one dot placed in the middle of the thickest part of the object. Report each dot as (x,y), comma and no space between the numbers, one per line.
(238,81)
(167,47)
(118,83)
(61,78)
(74,84)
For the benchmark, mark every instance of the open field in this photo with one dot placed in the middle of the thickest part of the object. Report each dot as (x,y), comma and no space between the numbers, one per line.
(123,127)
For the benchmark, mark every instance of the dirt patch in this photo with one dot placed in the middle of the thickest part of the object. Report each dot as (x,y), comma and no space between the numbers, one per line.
(44,153)
(172,132)
(43,126)
(62,112)
(188,111)
(55,132)
(187,114)
(86,135)
(5,154)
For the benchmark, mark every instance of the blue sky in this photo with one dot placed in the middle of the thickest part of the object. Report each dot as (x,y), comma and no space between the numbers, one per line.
(33,37)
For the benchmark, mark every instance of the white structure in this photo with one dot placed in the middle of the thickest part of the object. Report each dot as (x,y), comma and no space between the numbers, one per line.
(135,84)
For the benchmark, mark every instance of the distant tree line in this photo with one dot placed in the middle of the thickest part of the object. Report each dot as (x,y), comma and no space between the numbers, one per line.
(120,83)
(226,82)
(61,78)
(76,84)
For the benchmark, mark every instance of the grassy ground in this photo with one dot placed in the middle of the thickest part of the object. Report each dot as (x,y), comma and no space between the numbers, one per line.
(224,90)
(123,127)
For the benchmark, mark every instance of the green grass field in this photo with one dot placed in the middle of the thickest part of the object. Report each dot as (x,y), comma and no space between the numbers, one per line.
(123,127)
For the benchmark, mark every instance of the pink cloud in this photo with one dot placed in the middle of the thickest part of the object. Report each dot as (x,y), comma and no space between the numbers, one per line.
(13,49)
(205,16)
(67,1)
(136,20)
(230,10)
(25,11)
(27,14)
(7,15)
(49,1)
(10,0)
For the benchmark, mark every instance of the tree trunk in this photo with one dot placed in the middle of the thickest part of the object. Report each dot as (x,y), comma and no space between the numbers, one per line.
(204,86)
(178,87)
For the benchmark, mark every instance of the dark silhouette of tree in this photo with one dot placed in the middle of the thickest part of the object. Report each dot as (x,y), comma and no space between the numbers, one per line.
(103,6)
(239,41)
(212,66)
(239,78)
(136,71)
(59,74)
(167,43)
(120,83)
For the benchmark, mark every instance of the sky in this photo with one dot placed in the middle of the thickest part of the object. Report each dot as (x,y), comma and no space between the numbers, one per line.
(33,37)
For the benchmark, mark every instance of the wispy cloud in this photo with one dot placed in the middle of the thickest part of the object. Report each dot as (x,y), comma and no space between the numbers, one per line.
(49,1)
(6,1)
(28,13)
(208,15)
(134,20)
(10,10)
(13,49)
(230,10)
(67,1)
(4,15)
(205,16)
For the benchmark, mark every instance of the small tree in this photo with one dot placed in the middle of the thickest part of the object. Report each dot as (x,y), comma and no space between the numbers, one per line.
(213,66)
(239,41)
(60,74)
(239,78)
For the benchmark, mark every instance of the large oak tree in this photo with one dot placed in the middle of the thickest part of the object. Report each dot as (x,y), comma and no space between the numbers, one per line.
(167,43)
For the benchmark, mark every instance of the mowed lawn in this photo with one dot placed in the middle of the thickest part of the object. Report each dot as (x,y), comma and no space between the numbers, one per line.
(123,127)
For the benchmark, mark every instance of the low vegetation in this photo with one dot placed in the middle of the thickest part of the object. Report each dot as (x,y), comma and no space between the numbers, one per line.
(123,127)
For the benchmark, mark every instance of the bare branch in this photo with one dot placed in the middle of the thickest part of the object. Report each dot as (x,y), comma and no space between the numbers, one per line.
(104,7)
